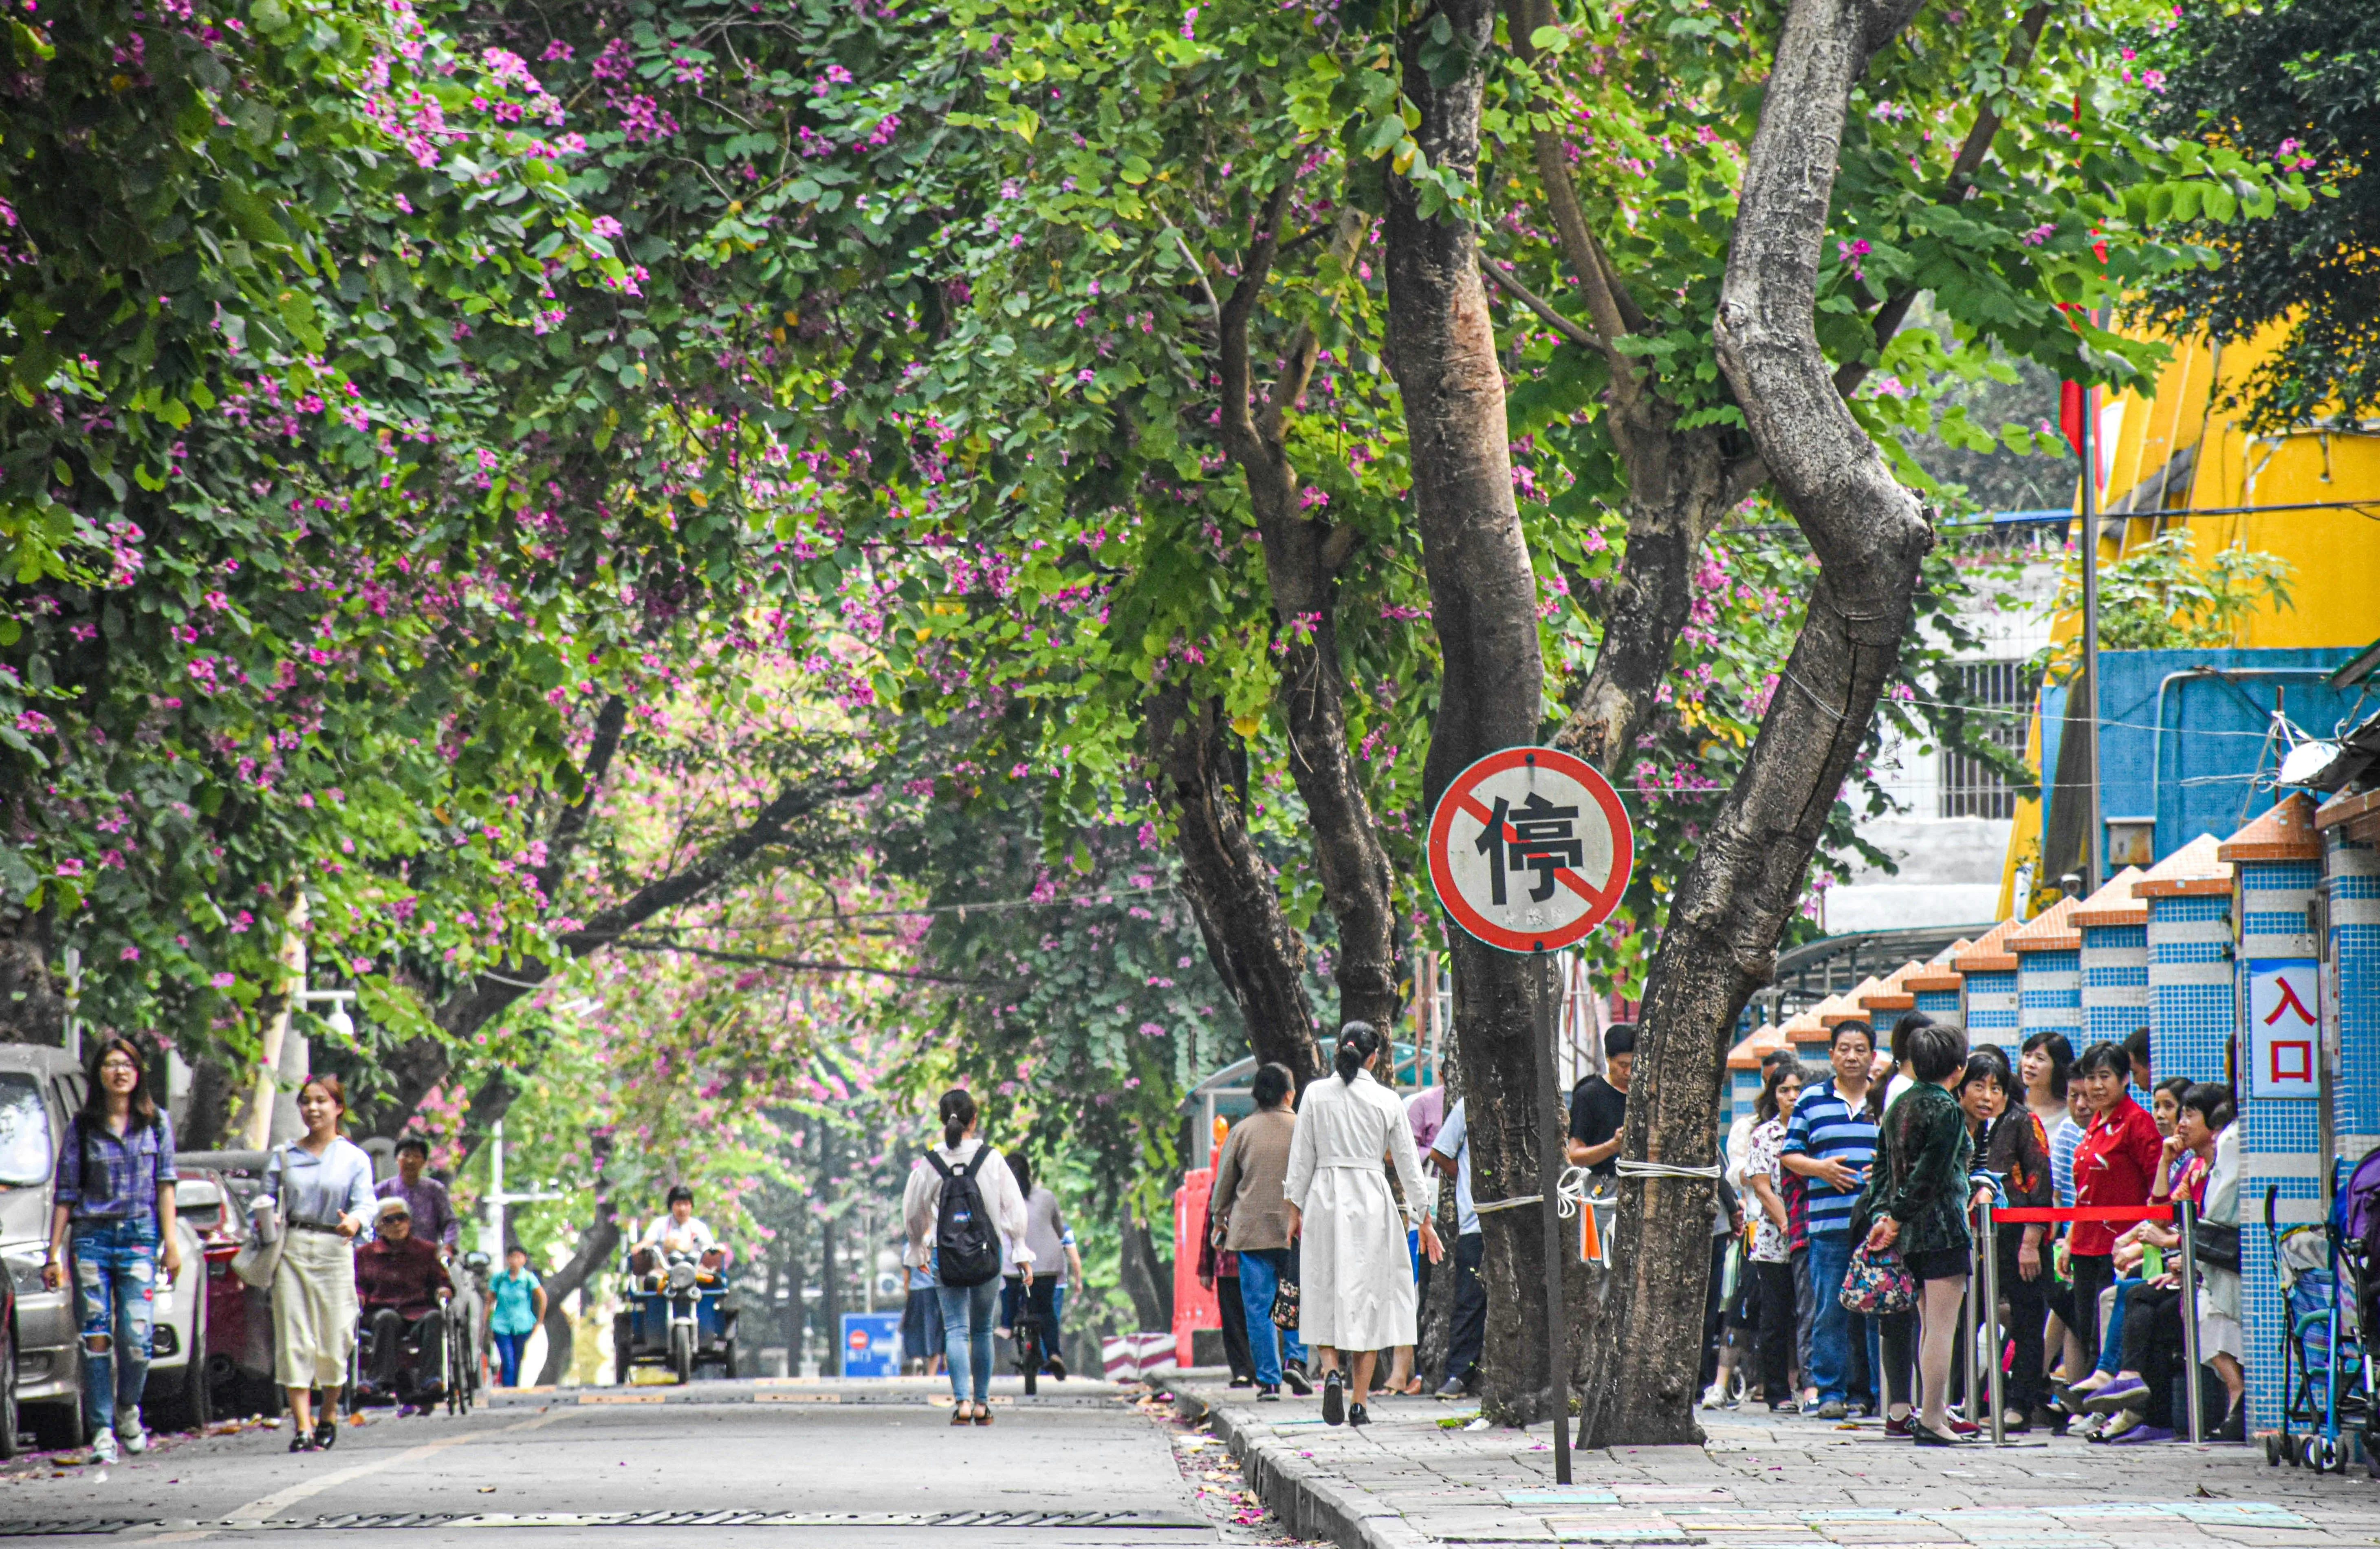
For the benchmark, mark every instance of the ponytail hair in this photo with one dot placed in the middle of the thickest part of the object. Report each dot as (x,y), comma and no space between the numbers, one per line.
(957,1112)
(1358,1041)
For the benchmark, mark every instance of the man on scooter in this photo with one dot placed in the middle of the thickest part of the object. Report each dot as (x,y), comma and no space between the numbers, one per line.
(680,1231)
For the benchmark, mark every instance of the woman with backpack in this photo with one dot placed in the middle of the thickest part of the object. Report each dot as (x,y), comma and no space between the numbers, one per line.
(961,1202)
(1357,1279)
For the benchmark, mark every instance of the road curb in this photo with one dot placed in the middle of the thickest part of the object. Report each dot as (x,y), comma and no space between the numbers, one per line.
(1310,1502)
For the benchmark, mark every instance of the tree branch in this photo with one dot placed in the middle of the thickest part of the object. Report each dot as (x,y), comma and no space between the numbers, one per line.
(1961,181)
(609,722)
(1233,328)
(1501,274)
(807,965)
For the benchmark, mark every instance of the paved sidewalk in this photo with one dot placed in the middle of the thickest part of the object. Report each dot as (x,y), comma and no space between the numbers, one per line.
(1406,1481)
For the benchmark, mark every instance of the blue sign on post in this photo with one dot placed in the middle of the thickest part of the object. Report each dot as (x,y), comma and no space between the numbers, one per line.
(872,1344)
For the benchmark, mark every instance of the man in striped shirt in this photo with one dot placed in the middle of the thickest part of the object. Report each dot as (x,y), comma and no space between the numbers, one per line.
(1829,1143)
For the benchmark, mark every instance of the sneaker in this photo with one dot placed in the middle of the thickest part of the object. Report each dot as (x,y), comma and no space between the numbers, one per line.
(1833,1408)
(1334,1400)
(2140,1434)
(1963,1427)
(1293,1374)
(128,1432)
(2121,1425)
(1714,1395)
(1450,1389)
(1267,1393)
(1785,1407)
(1897,1426)
(1241,1380)
(102,1451)
(2087,1429)
(2115,1396)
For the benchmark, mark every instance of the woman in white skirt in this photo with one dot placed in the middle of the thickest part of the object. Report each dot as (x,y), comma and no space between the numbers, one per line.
(324,1185)
(1355,1280)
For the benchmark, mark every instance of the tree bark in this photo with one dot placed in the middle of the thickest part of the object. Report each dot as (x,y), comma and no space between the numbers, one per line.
(1870,536)
(596,1246)
(1258,955)
(1147,1279)
(1302,561)
(1483,599)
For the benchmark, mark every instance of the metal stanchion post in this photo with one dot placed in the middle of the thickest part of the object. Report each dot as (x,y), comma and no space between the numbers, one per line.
(1991,1276)
(1556,1131)
(2189,1217)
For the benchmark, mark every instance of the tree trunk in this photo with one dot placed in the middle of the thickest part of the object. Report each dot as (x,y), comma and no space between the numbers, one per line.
(1302,561)
(1483,598)
(1258,955)
(1870,536)
(1147,1280)
(797,1307)
(596,1247)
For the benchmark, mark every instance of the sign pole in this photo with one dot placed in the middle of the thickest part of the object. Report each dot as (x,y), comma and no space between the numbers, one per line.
(1550,1212)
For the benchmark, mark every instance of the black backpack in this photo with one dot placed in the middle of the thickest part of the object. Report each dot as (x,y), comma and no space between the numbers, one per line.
(967,1250)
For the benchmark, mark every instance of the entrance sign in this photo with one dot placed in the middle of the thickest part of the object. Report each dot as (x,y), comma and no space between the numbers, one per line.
(1530,849)
(2284,1027)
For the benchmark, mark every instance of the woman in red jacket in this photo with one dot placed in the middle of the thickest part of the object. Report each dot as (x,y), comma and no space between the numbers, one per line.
(2117,1164)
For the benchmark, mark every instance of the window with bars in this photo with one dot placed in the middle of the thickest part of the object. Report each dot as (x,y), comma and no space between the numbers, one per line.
(2000,692)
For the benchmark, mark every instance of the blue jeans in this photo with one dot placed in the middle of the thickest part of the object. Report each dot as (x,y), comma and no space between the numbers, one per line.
(509,1354)
(1259,1279)
(1832,1324)
(967,1336)
(116,1271)
(2111,1338)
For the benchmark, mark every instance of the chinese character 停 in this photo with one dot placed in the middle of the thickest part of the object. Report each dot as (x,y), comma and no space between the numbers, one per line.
(1535,836)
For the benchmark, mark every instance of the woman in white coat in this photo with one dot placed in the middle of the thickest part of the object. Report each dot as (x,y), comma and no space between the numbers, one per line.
(1356,1281)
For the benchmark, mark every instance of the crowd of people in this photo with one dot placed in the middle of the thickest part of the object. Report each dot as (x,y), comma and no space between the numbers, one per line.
(1877,1168)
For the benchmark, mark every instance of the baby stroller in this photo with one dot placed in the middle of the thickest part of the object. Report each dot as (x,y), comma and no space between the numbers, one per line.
(2324,1281)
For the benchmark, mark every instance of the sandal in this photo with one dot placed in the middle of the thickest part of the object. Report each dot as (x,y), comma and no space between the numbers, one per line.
(959,1415)
(983,1414)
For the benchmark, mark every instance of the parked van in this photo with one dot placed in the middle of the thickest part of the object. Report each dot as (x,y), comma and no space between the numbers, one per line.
(40,1347)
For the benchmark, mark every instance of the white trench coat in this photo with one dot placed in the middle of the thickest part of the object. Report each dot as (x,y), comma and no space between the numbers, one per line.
(1355,1280)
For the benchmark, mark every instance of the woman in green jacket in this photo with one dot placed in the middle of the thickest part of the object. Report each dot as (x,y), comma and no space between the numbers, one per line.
(1916,1198)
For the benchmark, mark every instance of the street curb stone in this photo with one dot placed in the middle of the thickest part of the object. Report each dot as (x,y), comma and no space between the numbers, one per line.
(1309,1502)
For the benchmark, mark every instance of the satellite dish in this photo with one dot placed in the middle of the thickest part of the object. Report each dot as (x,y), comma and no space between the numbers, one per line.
(2306,764)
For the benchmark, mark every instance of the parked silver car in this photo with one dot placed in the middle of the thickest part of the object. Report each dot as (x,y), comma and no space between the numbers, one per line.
(40,1347)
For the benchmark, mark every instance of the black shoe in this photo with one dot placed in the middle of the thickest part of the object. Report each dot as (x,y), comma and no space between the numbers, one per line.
(1334,1400)
(1923,1436)
(1056,1368)
(1240,1379)
(303,1443)
(1451,1388)
(326,1434)
(2234,1427)
(1267,1393)
(1295,1376)
(1355,1416)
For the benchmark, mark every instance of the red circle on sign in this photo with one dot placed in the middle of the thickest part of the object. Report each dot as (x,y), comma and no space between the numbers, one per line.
(1601,894)
(856,1339)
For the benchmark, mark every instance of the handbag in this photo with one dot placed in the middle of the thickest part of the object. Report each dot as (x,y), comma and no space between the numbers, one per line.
(1284,1305)
(260,1256)
(1878,1284)
(2216,1246)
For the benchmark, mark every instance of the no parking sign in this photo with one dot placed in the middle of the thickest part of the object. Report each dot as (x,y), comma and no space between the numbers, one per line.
(1530,849)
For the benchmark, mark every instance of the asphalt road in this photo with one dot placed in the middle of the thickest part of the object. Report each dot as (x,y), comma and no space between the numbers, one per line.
(822,1473)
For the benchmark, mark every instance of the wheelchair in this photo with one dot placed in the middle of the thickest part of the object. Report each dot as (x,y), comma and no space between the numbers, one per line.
(457,1368)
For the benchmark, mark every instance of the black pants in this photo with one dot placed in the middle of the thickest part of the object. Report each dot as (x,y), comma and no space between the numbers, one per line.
(1236,1354)
(2093,1272)
(2028,1305)
(1776,1300)
(1896,1337)
(1715,1308)
(1469,1333)
(2153,1346)
(407,1358)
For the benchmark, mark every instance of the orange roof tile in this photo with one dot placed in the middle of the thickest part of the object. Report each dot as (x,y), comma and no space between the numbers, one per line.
(1938,974)
(2360,812)
(1804,1027)
(1991,954)
(2284,833)
(2050,930)
(1892,994)
(1747,1054)
(2114,904)
(1850,1007)
(2196,867)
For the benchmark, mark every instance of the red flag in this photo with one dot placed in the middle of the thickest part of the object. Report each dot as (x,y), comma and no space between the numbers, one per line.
(2070,414)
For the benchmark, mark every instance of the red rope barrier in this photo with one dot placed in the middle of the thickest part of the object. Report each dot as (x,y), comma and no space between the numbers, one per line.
(2085,1213)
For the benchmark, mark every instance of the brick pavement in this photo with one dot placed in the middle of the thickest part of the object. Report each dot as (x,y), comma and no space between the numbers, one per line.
(1407,1482)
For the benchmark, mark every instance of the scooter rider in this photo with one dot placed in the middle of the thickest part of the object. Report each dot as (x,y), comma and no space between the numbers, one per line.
(680,1231)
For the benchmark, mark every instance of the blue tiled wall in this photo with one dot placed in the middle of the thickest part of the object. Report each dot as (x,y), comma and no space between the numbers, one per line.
(2115,981)
(1991,1009)
(2351,991)
(2191,992)
(2279,1142)
(2049,995)
(1942,1006)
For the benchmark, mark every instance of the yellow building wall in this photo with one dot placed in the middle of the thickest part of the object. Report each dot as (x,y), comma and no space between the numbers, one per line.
(2335,553)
